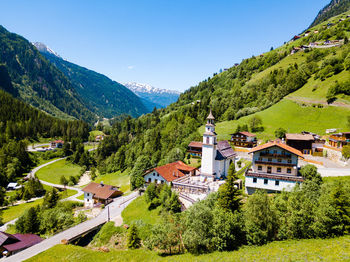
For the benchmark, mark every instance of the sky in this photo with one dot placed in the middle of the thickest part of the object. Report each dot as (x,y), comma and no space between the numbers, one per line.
(171,44)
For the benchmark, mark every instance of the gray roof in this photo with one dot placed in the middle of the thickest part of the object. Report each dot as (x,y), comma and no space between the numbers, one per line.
(210,116)
(224,150)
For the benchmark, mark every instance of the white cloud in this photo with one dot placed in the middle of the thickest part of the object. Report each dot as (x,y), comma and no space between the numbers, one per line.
(131,67)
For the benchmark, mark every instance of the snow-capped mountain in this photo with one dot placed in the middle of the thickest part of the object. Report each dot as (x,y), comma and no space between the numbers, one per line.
(145,88)
(45,49)
(153,97)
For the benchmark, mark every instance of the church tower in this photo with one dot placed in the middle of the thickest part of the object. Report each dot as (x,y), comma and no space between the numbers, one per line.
(209,147)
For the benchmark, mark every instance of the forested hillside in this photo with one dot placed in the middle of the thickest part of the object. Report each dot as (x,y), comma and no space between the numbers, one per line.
(36,81)
(100,94)
(255,84)
(21,123)
(335,7)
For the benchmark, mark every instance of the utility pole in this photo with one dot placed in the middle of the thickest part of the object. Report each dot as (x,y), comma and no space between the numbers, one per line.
(108,213)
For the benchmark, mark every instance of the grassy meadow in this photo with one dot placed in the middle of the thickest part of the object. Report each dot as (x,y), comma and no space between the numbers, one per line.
(117,179)
(291,116)
(138,210)
(334,249)
(52,173)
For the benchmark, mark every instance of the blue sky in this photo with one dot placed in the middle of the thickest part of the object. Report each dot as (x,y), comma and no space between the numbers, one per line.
(168,44)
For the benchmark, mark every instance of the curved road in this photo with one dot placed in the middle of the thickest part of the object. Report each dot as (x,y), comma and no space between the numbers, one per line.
(74,197)
(115,209)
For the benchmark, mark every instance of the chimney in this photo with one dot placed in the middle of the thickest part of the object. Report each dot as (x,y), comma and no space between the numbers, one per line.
(101,184)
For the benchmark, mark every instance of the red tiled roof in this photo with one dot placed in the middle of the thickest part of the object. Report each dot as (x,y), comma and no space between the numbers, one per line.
(100,191)
(25,240)
(304,137)
(195,144)
(279,144)
(173,170)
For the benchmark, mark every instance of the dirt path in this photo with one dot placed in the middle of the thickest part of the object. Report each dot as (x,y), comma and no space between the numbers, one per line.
(322,102)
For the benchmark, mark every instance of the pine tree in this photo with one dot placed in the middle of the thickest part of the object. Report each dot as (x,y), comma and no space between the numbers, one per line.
(229,195)
(133,240)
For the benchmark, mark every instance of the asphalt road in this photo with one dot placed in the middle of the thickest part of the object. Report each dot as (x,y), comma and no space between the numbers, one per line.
(115,210)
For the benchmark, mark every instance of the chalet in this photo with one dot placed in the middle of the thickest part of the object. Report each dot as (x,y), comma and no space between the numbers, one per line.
(306,142)
(11,244)
(99,193)
(57,144)
(274,168)
(195,148)
(339,140)
(302,142)
(316,32)
(307,33)
(244,139)
(99,138)
(168,173)
(13,186)
(296,37)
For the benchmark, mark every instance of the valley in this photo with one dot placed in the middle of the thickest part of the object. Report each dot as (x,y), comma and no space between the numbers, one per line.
(251,163)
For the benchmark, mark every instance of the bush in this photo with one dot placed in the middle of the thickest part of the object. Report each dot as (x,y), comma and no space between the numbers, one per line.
(133,239)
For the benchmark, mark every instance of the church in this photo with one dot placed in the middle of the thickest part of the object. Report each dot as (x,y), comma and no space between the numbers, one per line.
(216,156)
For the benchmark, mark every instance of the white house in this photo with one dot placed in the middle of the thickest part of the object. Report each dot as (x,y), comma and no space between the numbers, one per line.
(168,173)
(95,193)
(216,156)
(274,168)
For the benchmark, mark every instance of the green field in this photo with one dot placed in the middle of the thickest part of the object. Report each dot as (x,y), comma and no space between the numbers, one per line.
(13,212)
(96,133)
(52,173)
(334,249)
(137,210)
(119,179)
(291,116)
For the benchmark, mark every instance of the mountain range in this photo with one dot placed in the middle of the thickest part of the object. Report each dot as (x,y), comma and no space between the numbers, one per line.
(153,97)
(101,95)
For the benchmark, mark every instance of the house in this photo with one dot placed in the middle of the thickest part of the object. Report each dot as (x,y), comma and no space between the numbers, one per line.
(301,142)
(331,130)
(13,186)
(11,244)
(296,37)
(339,140)
(168,173)
(316,32)
(195,148)
(307,33)
(274,168)
(99,193)
(57,144)
(99,138)
(244,139)
(216,156)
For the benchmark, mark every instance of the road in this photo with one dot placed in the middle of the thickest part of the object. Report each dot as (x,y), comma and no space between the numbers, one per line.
(334,171)
(115,210)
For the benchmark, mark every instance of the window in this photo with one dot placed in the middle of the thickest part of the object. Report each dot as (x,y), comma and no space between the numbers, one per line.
(279,160)
(254,179)
(265,181)
(259,168)
(156,181)
(278,170)
(87,200)
(289,161)
(270,159)
(157,174)
(149,180)
(269,169)
(275,151)
(207,140)
(260,158)
(289,170)
(277,183)
(162,181)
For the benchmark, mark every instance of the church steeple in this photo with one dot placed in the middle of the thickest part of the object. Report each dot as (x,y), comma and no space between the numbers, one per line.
(209,147)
